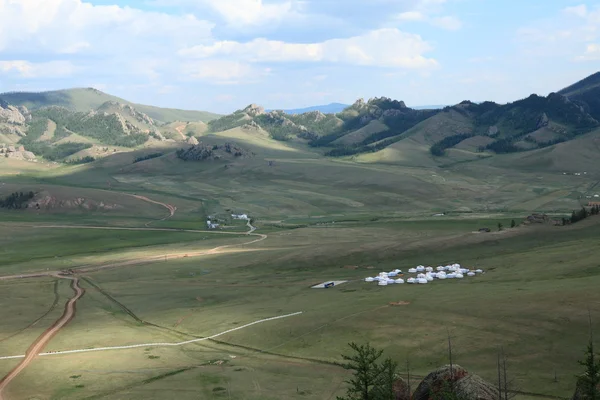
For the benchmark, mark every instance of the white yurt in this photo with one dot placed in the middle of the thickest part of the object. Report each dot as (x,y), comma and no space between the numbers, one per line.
(459,276)
(390,281)
(412,270)
(420,268)
(369,279)
(422,281)
(429,277)
(479,271)
(428,269)
(451,275)
(442,275)
(410,280)
(392,273)
(440,268)
(399,280)
(433,274)
(420,276)
(470,273)
(382,283)
(398,271)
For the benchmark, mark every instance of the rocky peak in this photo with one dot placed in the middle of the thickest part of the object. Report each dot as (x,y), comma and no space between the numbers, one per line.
(360,103)
(254,110)
(317,115)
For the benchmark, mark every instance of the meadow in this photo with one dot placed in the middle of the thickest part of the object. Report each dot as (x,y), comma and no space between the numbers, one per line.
(325,220)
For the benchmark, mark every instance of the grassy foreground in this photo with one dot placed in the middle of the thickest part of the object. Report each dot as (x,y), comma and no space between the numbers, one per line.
(514,305)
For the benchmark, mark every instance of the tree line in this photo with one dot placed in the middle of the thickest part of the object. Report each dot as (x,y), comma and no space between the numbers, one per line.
(439,148)
(147,157)
(16,200)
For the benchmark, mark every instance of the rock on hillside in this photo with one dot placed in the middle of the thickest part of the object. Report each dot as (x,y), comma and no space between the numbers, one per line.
(202,152)
(465,385)
(126,110)
(13,115)
(45,201)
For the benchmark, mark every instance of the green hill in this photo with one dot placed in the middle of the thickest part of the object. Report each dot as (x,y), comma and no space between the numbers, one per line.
(86,99)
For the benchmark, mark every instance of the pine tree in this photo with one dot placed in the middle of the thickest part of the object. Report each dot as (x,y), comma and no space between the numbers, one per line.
(513,223)
(370,380)
(590,379)
(500,226)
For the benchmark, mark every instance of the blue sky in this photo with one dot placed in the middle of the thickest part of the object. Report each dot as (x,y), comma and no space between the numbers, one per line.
(220,55)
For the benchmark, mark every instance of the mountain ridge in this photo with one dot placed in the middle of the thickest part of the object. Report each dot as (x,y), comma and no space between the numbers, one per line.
(85,99)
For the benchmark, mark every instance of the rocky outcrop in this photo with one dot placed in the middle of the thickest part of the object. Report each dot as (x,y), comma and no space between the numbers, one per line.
(126,110)
(459,380)
(201,152)
(400,388)
(542,121)
(253,110)
(13,115)
(251,126)
(17,152)
(48,202)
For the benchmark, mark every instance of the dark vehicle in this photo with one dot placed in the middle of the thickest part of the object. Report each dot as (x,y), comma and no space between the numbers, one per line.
(328,285)
(484,230)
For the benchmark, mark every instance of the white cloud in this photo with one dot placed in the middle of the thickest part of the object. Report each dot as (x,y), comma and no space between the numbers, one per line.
(411,16)
(250,12)
(592,52)
(567,35)
(240,14)
(75,26)
(223,72)
(383,47)
(579,11)
(449,23)
(26,69)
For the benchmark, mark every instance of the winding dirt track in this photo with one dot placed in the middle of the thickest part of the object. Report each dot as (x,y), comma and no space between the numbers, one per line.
(69,313)
(45,337)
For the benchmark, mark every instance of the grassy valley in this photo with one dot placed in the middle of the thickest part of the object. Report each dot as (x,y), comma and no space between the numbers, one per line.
(175,306)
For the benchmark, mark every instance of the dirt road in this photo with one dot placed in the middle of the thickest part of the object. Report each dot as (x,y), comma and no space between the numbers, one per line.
(179,130)
(169,207)
(43,340)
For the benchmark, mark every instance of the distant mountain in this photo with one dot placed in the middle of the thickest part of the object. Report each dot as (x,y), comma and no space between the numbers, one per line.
(435,107)
(332,108)
(477,129)
(88,99)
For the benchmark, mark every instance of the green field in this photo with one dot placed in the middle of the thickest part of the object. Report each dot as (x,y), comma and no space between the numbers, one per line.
(325,220)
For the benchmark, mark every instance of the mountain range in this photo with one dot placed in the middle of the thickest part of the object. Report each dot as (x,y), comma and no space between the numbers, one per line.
(334,108)
(59,125)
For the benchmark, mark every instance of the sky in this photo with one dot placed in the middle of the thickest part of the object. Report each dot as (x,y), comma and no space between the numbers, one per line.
(221,55)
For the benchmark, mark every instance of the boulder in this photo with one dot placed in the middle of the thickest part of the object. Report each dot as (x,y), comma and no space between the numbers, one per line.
(465,385)
(400,388)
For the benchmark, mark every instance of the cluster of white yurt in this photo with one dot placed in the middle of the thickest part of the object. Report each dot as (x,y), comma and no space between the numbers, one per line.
(424,274)
(386,278)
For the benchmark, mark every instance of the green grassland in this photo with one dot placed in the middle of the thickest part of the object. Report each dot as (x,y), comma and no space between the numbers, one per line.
(320,215)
